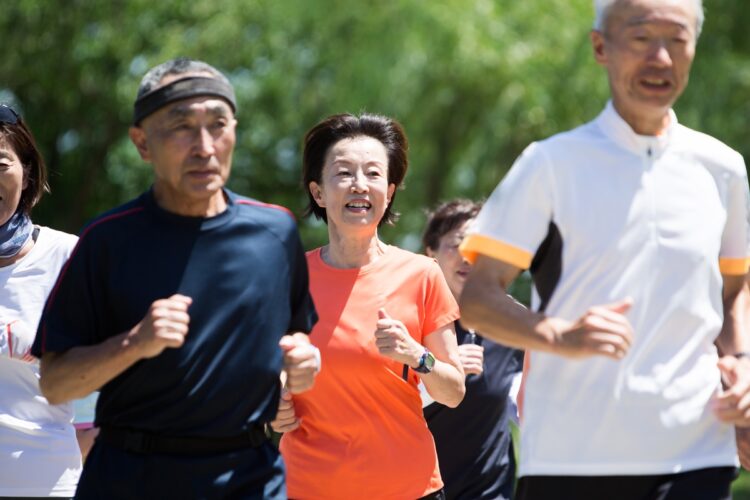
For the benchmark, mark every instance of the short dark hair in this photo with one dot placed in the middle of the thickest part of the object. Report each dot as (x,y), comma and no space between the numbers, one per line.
(178,66)
(320,139)
(19,137)
(447,217)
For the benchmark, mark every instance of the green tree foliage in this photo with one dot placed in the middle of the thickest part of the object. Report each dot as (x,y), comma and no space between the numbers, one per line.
(472,82)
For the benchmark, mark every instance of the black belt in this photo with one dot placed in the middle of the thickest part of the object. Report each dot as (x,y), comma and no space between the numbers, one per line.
(146,442)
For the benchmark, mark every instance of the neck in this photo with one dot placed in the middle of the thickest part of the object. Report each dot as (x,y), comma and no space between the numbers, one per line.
(351,251)
(654,123)
(7,261)
(179,204)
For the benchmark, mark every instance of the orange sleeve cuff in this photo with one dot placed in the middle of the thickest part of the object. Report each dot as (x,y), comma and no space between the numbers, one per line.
(734,267)
(475,244)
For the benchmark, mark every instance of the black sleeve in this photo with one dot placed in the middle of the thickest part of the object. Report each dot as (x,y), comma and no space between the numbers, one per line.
(303,314)
(69,318)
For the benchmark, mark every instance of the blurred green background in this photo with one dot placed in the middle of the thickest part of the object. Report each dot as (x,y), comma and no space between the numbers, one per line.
(473,82)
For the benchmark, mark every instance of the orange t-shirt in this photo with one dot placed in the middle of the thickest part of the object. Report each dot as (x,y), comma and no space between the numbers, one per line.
(363,434)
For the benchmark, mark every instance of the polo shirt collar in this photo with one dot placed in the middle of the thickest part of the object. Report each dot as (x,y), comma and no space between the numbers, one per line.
(619,131)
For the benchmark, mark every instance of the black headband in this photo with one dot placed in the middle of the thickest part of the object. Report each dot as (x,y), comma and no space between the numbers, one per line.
(181,89)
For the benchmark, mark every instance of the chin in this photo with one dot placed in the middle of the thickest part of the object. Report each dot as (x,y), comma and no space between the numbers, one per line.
(205,188)
(661,100)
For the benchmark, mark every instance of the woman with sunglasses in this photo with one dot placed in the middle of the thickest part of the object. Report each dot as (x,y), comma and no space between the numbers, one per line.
(39,455)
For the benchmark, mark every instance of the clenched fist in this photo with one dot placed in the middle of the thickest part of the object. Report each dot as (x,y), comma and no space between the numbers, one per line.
(165,325)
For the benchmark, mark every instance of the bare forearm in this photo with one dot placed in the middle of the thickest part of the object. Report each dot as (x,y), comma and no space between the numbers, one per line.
(735,330)
(445,383)
(502,319)
(79,371)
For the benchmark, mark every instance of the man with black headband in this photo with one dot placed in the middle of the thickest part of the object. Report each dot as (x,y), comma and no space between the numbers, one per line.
(182,306)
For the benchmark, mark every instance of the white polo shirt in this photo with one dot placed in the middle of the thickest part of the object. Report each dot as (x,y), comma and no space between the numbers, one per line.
(604,214)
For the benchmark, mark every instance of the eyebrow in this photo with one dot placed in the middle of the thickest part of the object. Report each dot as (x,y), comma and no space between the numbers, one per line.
(5,155)
(343,161)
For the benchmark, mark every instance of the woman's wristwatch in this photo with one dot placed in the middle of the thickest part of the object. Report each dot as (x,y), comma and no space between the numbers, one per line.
(426,362)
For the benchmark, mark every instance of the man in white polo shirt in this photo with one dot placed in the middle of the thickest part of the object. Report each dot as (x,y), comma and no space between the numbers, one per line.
(635,229)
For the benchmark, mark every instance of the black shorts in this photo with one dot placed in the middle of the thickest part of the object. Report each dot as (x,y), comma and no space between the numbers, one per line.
(112,473)
(703,484)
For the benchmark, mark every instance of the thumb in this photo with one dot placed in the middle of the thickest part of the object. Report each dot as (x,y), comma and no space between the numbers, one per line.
(285,394)
(382,314)
(621,306)
(287,343)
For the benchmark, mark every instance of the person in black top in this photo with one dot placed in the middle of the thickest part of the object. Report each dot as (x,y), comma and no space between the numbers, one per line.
(473,441)
(183,306)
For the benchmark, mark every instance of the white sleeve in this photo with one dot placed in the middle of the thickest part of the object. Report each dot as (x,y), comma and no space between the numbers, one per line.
(734,256)
(515,219)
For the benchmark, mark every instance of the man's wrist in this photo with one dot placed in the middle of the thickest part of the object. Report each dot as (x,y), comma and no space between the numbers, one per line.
(547,333)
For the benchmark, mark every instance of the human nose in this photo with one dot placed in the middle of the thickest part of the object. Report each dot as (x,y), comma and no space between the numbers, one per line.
(359,183)
(659,53)
(204,144)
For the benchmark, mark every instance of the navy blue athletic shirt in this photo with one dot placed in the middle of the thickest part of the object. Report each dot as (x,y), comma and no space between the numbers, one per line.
(246,272)
(473,440)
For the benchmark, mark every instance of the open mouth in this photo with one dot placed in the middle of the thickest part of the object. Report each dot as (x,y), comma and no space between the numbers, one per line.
(359,206)
(656,84)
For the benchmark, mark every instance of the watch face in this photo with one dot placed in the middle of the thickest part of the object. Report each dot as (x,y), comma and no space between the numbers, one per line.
(429,361)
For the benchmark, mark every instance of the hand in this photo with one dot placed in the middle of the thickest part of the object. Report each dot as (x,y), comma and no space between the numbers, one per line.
(601,331)
(286,420)
(165,325)
(393,341)
(301,362)
(472,358)
(733,405)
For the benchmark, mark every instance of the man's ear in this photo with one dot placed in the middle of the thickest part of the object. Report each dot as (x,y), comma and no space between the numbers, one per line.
(429,252)
(317,193)
(597,44)
(138,137)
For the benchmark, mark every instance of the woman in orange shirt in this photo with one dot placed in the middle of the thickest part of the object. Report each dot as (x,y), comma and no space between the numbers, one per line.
(386,322)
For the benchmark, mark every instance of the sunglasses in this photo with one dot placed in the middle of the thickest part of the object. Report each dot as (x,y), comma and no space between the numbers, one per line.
(7,115)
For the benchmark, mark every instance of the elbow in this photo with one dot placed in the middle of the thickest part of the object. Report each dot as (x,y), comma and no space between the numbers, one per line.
(50,393)
(453,397)
(456,397)
(47,383)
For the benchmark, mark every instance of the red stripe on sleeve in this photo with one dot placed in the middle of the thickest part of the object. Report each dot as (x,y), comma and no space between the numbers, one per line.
(267,205)
(53,294)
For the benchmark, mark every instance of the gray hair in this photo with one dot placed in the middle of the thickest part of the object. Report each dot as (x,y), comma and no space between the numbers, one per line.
(602,8)
(178,66)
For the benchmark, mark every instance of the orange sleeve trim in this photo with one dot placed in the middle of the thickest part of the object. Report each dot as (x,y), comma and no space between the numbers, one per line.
(734,266)
(475,244)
